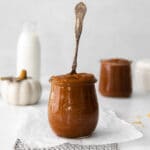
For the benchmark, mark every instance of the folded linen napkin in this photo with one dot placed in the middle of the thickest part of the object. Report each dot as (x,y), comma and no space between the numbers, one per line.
(21,146)
(34,133)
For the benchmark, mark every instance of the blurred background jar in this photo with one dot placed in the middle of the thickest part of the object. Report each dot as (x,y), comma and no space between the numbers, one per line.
(115,78)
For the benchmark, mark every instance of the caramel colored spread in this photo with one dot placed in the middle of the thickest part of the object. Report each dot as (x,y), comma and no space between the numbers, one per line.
(73,107)
(116,62)
(115,78)
(74,78)
(73,110)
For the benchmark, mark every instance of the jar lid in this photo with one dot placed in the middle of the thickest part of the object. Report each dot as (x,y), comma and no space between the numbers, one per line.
(74,78)
(116,61)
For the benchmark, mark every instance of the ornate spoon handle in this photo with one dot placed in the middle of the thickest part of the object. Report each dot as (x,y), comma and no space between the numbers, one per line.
(80,11)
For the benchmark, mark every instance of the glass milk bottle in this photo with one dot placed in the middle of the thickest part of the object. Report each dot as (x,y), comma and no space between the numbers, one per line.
(28,51)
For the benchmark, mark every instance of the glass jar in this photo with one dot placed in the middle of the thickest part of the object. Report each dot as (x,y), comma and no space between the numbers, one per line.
(73,107)
(115,78)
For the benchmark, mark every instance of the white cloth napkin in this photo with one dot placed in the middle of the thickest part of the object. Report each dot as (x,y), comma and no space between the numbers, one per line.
(35,132)
(21,146)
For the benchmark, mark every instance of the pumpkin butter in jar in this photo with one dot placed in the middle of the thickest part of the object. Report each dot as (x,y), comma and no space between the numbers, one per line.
(115,78)
(73,107)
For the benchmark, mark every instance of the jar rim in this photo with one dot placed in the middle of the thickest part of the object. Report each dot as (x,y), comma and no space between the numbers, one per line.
(116,61)
(79,78)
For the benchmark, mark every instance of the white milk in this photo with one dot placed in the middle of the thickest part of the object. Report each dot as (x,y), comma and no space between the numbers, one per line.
(28,52)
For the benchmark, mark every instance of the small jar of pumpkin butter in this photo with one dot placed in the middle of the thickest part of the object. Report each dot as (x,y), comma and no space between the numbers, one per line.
(73,107)
(115,78)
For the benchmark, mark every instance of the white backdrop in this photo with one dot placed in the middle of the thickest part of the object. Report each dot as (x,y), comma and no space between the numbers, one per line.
(112,28)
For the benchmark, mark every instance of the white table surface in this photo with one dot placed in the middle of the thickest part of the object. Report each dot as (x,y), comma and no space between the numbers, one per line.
(128,109)
(138,106)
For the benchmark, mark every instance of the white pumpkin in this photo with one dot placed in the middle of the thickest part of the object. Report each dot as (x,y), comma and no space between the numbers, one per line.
(23,92)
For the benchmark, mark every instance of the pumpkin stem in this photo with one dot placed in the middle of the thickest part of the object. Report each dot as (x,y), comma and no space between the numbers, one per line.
(6,78)
(23,74)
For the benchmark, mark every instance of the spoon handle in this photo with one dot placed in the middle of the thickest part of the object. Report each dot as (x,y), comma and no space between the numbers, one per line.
(80,11)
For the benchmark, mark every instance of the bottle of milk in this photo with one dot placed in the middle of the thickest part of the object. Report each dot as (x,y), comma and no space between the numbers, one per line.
(28,51)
